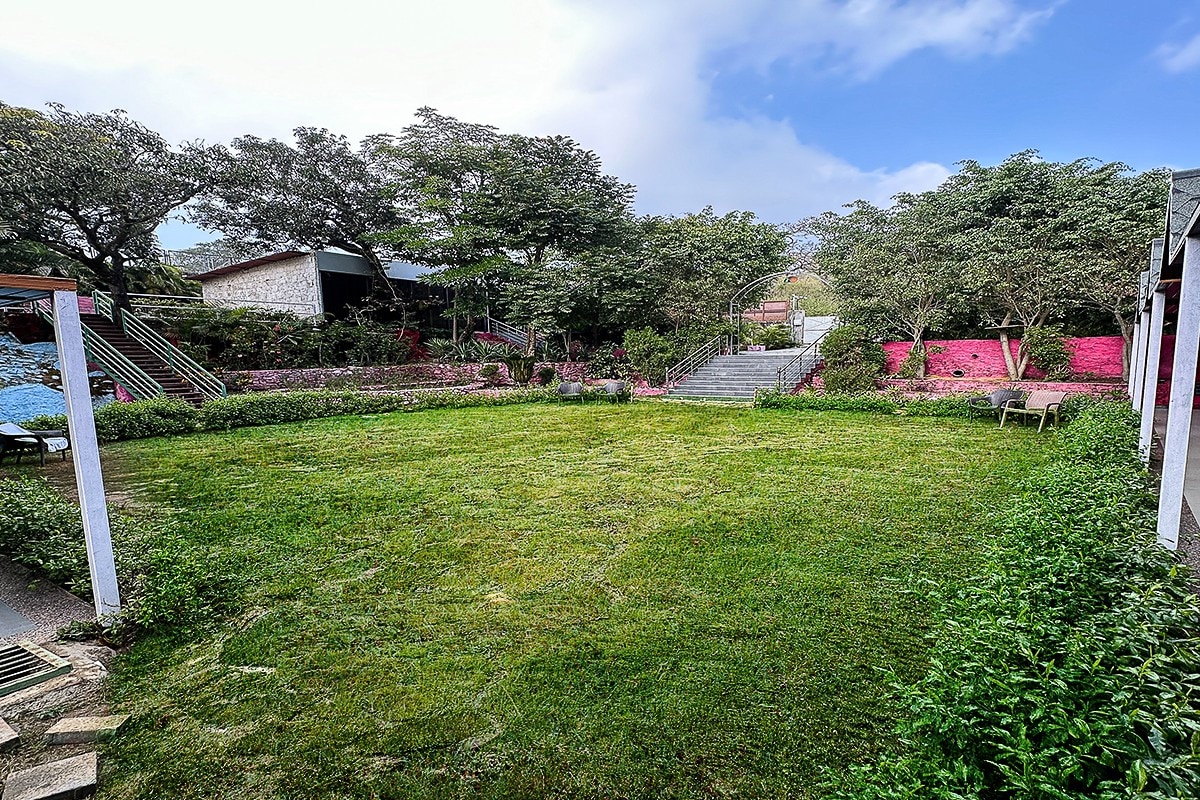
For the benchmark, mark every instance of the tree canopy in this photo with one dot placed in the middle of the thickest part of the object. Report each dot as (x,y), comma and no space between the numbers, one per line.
(94,187)
(1013,247)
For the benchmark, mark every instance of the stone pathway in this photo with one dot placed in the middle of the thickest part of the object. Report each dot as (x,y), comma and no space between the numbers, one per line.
(35,609)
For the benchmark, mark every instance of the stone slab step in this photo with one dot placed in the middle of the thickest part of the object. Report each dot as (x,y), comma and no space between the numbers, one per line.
(85,730)
(67,779)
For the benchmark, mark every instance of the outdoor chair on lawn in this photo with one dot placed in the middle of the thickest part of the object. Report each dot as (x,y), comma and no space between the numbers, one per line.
(570,391)
(1042,404)
(616,391)
(18,440)
(991,404)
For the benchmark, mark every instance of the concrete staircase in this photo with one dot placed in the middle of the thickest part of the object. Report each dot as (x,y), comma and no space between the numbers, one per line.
(737,377)
(148,362)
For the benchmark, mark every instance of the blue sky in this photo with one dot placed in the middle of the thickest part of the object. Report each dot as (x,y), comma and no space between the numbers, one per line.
(783,108)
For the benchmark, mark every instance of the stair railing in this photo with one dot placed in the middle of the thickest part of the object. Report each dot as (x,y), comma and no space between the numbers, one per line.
(694,360)
(130,376)
(176,360)
(511,332)
(800,367)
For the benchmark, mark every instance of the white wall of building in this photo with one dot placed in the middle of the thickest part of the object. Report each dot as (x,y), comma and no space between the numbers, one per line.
(291,284)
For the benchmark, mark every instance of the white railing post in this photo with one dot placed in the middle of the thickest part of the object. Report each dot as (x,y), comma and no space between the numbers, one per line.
(1158,303)
(1183,392)
(85,453)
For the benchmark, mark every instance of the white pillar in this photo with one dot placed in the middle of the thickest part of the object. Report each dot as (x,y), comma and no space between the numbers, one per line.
(1183,390)
(1158,303)
(1135,358)
(85,453)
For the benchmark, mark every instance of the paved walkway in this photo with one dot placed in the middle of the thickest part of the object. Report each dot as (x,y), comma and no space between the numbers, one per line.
(35,609)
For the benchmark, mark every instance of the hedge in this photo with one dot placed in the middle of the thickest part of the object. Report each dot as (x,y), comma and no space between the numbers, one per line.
(1067,665)
(170,417)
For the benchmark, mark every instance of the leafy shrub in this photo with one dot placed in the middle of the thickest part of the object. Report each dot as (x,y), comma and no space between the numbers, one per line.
(852,360)
(160,417)
(1066,666)
(608,361)
(872,402)
(773,337)
(40,530)
(545,375)
(649,354)
(520,368)
(163,581)
(1047,350)
(246,338)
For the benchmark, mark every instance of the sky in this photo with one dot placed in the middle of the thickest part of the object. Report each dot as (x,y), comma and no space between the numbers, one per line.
(786,108)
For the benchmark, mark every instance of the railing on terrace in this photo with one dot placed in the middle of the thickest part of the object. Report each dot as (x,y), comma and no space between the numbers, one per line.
(694,360)
(800,367)
(175,359)
(130,376)
(510,332)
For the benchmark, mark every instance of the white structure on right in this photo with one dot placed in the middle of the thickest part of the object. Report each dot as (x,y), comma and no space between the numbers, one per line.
(1170,304)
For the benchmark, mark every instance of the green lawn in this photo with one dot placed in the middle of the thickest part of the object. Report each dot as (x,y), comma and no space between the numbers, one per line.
(650,600)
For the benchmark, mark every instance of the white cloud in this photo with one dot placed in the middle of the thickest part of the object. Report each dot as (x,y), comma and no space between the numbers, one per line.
(627,78)
(1177,58)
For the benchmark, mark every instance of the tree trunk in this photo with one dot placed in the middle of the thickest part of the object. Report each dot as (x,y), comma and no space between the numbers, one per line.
(1009,363)
(118,284)
(530,340)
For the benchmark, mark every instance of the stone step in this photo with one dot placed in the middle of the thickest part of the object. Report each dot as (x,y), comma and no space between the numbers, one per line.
(85,730)
(58,780)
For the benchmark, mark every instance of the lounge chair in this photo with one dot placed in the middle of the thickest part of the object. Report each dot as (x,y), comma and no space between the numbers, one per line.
(18,440)
(570,391)
(990,404)
(1042,404)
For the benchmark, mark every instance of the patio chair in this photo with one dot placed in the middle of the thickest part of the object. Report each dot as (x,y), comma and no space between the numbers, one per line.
(18,440)
(570,391)
(990,404)
(616,391)
(1042,404)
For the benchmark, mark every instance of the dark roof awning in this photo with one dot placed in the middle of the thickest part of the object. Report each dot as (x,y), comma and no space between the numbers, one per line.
(18,289)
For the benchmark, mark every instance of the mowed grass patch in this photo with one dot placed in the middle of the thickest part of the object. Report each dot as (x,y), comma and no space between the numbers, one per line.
(602,601)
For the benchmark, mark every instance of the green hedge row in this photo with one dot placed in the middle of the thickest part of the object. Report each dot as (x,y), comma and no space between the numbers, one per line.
(874,402)
(890,403)
(1067,666)
(169,417)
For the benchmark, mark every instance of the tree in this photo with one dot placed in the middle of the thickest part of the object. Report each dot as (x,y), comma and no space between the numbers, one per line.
(438,169)
(94,187)
(549,202)
(703,259)
(1126,212)
(320,193)
(894,270)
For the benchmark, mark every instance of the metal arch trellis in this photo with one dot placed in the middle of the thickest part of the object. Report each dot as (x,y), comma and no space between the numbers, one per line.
(735,315)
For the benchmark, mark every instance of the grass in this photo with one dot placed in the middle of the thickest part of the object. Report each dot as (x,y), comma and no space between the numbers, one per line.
(528,601)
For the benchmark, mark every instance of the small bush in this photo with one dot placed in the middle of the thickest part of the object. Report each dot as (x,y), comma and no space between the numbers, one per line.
(872,402)
(164,581)
(1047,350)
(852,360)
(649,354)
(144,419)
(773,337)
(161,417)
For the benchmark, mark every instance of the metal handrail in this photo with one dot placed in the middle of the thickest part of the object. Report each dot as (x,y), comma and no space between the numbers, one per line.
(175,359)
(800,358)
(129,375)
(511,332)
(694,360)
